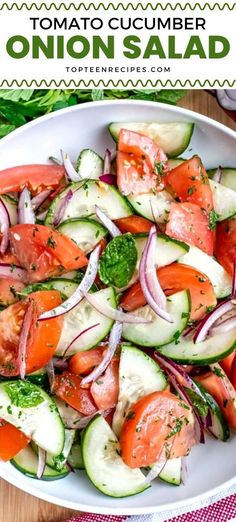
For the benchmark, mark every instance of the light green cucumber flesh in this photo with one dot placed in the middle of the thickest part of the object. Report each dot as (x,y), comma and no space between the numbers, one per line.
(228,176)
(219,428)
(224,200)
(89,164)
(171,473)
(150,205)
(85,232)
(27,463)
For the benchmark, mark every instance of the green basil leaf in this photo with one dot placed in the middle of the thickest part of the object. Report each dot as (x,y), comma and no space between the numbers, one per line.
(118,261)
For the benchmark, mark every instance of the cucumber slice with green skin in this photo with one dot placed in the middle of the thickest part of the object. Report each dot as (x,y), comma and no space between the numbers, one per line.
(219,428)
(70,417)
(211,350)
(219,278)
(27,462)
(139,375)
(65,286)
(160,332)
(75,458)
(85,232)
(228,176)
(168,250)
(224,200)
(85,196)
(104,466)
(159,202)
(39,377)
(59,462)
(89,164)
(31,410)
(175,162)
(173,138)
(171,472)
(80,319)
(12,208)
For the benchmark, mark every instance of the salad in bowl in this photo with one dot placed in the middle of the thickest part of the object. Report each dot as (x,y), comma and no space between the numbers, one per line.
(118,311)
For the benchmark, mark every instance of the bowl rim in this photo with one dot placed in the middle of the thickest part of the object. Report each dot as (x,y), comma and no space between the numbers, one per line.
(32,489)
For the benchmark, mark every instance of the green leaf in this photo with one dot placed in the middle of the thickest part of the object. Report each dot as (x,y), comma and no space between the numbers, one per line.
(6,129)
(97,94)
(23,394)
(16,95)
(118,261)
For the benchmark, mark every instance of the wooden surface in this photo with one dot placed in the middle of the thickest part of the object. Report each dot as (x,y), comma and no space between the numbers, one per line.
(16,506)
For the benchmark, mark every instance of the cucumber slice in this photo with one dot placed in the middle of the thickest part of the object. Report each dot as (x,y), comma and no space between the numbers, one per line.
(39,377)
(219,278)
(171,472)
(139,375)
(12,208)
(75,458)
(80,319)
(168,249)
(175,162)
(211,350)
(103,464)
(27,462)
(66,286)
(159,331)
(173,138)
(85,196)
(70,417)
(84,232)
(89,164)
(31,410)
(224,201)
(219,428)
(159,202)
(59,462)
(228,176)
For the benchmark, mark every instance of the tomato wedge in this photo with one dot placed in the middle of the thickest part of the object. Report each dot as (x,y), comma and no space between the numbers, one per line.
(156,423)
(189,181)
(35,177)
(142,146)
(188,223)
(227,364)
(174,278)
(68,388)
(41,346)
(84,362)
(134,224)
(214,384)
(12,441)
(106,388)
(226,244)
(8,290)
(44,252)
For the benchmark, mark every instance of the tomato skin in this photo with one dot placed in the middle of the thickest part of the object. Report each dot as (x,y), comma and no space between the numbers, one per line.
(12,441)
(134,224)
(40,347)
(147,429)
(84,362)
(44,252)
(226,244)
(35,177)
(174,278)
(233,373)
(215,386)
(227,364)
(141,146)
(188,223)
(68,388)
(190,183)
(106,388)
(8,289)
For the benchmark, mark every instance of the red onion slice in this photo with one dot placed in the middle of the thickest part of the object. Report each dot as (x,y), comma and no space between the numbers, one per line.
(148,279)
(77,337)
(233,292)
(13,271)
(184,470)
(59,215)
(42,455)
(25,211)
(156,469)
(113,313)
(55,160)
(231,93)
(83,287)
(39,199)
(226,101)
(107,162)
(42,215)
(224,326)
(114,340)
(60,363)
(208,321)
(72,174)
(217,175)
(107,222)
(110,179)
(51,374)
(25,330)
(4,228)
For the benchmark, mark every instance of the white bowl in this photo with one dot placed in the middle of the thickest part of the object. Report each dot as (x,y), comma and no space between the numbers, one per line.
(211,468)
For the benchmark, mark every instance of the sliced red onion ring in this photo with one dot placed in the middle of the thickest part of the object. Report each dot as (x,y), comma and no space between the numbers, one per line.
(72,174)
(4,228)
(77,337)
(51,374)
(184,470)
(156,469)
(226,101)
(113,313)
(42,215)
(42,455)
(224,326)
(217,175)
(114,340)
(60,363)
(159,226)
(62,208)
(13,271)
(39,199)
(148,279)
(25,330)
(233,291)
(25,211)
(110,179)
(208,321)
(107,162)
(70,467)
(83,287)
(107,222)
(55,160)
